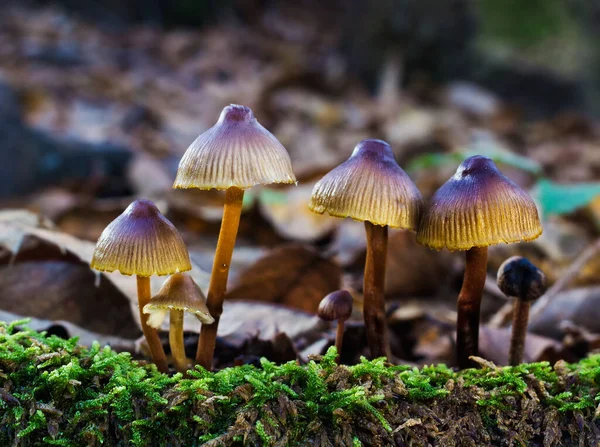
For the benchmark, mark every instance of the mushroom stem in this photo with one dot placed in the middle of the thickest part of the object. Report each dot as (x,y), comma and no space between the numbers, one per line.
(218,278)
(374,304)
(519,331)
(469,303)
(176,340)
(339,338)
(156,349)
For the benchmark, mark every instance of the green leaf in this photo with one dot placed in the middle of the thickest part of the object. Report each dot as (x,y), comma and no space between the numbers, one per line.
(564,199)
(488,149)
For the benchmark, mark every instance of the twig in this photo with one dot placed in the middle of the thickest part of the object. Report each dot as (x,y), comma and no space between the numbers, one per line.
(564,281)
(502,316)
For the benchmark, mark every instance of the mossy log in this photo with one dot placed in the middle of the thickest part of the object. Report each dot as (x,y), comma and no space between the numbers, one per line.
(54,392)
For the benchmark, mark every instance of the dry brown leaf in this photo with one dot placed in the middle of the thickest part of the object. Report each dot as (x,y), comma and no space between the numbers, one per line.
(581,306)
(287,210)
(413,269)
(58,290)
(494,345)
(293,275)
(242,320)
(22,235)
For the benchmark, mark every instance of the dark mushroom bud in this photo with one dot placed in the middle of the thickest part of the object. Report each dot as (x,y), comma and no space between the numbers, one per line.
(179,294)
(371,187)
(233,155)
(520,279)
(142,242)
(476,208)
(336,306)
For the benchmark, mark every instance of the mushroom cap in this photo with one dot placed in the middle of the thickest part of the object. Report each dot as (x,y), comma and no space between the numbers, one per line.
(478,207)
(519,278)
(236,151)
(179,292)
(141,241)
(335,306)
(369,186)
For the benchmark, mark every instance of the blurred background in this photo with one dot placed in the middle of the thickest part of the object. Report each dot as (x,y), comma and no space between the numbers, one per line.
(99,99)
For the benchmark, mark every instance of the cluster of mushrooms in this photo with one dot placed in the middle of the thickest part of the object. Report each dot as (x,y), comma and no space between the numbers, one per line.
(476,208)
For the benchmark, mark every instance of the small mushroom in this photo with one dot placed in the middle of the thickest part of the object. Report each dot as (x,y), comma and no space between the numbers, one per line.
(142,242)
(476,208)
(520,279)
(336,306)
(233,155)
(178,294)
(371,187)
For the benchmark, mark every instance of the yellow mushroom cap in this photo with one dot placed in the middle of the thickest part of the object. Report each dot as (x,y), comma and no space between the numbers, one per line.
(236,151)
(179,292)
(369,186)
(141,241)
(478,207)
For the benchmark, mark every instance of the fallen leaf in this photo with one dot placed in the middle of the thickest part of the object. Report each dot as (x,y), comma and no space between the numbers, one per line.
(57,290)
(413,269)
(243,319)
(580,306)
(293,275)
(349,242)
(287,210)
(27,237)
(564,199)
(495,343)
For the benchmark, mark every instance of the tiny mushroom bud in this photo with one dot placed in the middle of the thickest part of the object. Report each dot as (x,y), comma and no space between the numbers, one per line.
(233,155)
(520,279)
(476,208)
(371,187)
(178,294)
(336,306)
(142,242)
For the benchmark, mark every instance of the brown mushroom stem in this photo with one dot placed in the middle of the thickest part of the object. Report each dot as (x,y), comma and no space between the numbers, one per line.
(374,304)
(519,331)
(469,303)
(339,338)
(218,278)
(176,340)
(156,350)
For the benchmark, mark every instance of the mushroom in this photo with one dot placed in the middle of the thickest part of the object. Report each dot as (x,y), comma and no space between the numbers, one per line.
(476,208)
(179,293)
(371,187)
(235,154)
(142,242)
(519,278)
(336,306)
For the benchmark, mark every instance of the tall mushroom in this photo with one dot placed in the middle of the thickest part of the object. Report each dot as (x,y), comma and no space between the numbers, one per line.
(233,155)
(179,294)
(476,208)
(142,242)
(520,279)
(371,187)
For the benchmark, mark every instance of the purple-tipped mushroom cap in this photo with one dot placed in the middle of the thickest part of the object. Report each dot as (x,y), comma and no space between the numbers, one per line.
(236,151)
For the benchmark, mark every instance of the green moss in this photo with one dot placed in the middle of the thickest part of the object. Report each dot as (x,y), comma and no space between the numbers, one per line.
(54,392)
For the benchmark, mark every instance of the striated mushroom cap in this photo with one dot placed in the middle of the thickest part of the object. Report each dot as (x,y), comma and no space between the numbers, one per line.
(335,306)
(478,207)
(141,241)
(179,292)
(236,151)
(519,278)
(369,186)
